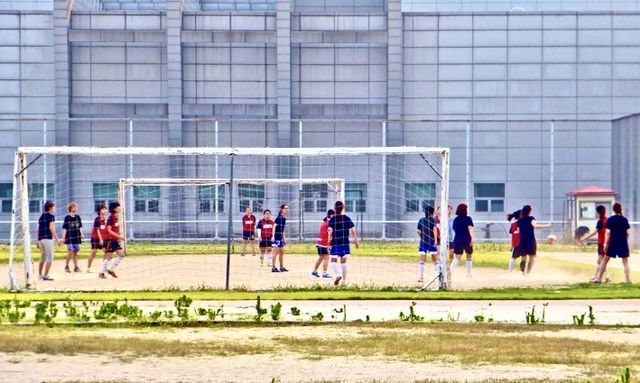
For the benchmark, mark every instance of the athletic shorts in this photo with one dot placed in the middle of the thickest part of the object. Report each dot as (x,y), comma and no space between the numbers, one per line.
(601,249)
(73,246)
(427,248)
(528,248)
(95,244)
(614,252)
(112,246)
(322,250)
(459,248)
(279,243)
(247,235)
(46,250)
(265,243)
(340,250)
(515,253)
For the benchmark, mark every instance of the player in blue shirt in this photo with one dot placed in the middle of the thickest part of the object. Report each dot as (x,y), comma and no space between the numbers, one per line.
(340,225)
(527,225)
(463,240)
(46,236)
(616,242)
(427,232)
(279,239)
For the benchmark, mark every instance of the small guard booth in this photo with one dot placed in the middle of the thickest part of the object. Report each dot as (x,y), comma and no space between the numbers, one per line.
(580,208)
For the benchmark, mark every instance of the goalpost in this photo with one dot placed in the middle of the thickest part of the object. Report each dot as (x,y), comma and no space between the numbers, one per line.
(385,190)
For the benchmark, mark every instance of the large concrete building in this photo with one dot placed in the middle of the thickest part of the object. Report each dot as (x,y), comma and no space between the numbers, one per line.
(524,92)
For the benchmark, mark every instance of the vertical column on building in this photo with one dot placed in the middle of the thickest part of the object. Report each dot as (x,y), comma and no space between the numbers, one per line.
(61,21)
(285,166)
(177,165)
(395,126)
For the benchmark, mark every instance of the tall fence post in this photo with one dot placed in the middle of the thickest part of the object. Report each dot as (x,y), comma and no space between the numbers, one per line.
(551,170)
(44,162)
(300,199)
(215,167)
(130,196)
(384,182)
(229,226)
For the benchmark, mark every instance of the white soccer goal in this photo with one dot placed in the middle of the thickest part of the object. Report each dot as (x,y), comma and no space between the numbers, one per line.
(183,207)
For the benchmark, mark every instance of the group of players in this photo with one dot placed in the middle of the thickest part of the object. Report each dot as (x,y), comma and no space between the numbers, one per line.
(105,235)
(332,242)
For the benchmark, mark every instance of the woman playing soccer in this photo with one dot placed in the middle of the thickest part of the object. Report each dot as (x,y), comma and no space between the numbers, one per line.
(265,228)
(340,225)
(278,238)
(98,233)
(112,243)
(427,233)
(248,231)
(72,234)
(322,245)
(515,241)
(616,242)
(463,240)
(528,246)
(601,231)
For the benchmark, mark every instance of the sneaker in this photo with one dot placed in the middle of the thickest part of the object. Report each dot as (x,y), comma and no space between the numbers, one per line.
(283,270)
(607,280)
(112,273)
(76,269)
(275,270)
(597,282)
(420,280)
(89,270)
(40,277)
(67,269)
(326,275)
(315,274)
(47,278)
(101,275)
(593,280)
(242,254)
(337,281)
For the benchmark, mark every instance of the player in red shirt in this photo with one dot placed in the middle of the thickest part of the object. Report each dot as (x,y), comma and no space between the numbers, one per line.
(248,231)
(98,233)
(112,242)
(322,244)
(514,230)
(601,230)
(265,227)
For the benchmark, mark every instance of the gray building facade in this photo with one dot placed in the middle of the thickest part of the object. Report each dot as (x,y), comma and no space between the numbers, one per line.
(523,92)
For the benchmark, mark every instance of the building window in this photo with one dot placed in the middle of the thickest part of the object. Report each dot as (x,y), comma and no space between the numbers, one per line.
(314,197)
(37,197)
(146,199)
(104,194)
(489,197)
(418,195)
(208,200)
(6,196)
(251,195)
(355,195)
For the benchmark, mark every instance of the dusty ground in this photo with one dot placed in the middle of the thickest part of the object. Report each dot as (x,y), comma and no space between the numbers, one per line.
(283,366)
(188,271)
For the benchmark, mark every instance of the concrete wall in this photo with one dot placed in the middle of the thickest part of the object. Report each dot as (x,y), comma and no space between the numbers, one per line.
(625,164)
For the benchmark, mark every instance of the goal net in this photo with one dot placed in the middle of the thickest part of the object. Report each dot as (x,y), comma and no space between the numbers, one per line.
(182,210)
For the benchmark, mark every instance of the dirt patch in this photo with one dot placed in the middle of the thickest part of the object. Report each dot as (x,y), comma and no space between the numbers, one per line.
(193,271)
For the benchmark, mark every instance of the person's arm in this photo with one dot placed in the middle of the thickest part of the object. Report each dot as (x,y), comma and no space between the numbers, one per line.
(81,231)
(607,238)
(52,228)
(590,235)
(273,230)
(113,232)
(329,235)
(356,240)
(537,225)
(471,234)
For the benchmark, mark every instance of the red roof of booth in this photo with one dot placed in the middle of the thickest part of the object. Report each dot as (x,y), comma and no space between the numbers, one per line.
(591,190)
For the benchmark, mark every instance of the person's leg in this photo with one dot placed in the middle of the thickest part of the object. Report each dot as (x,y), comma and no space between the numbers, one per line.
(456,261)
(343,263)
(106,260)
(469,253)
(244,246)
(253,248)
(262,251)
(325,263)
(67,259)
(317,265)
(532,261)
(74,257)
(523,263)
(603,267)
(92,255)
(42,258)
(627,273)
(281,258)
(119,258)
(437,265)
(512,260)
(48,260)
(423,257)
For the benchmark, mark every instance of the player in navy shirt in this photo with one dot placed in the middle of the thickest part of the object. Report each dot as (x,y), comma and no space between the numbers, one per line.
(46,236)
(72,234)
(463,239)
(279,239)
(426,230)
(616,242)
(527,225)
(340,225)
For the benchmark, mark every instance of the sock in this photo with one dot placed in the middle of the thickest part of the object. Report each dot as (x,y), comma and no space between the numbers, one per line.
(116,262)
(512,263)
(532,261)
(105,264)
(469,266)
(437,265)
(454,264)
(344,273)
(523,264)
(596,272)
(421,270)
(270,257)
(336,269)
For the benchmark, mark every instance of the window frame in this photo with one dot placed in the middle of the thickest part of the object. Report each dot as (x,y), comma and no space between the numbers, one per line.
(485,197)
